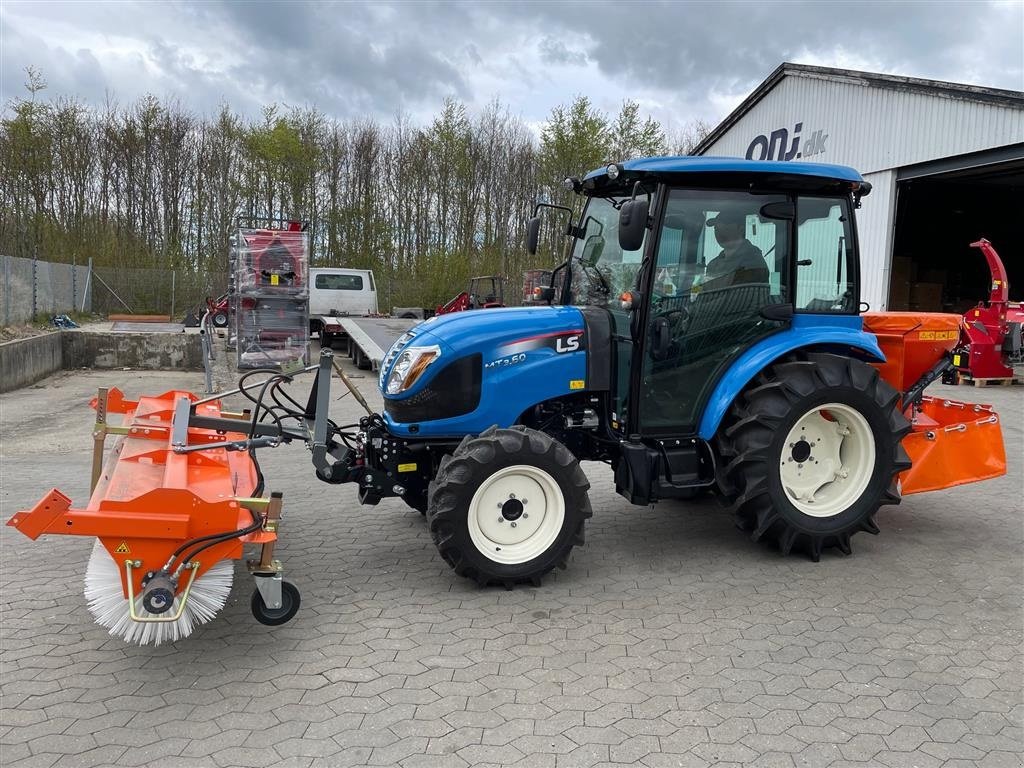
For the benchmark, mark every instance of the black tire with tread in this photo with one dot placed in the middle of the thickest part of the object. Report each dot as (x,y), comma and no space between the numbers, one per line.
(750,444)
(460,474)
(362,362)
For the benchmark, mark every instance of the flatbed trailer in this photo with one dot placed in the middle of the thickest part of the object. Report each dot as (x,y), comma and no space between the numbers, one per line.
(365,339)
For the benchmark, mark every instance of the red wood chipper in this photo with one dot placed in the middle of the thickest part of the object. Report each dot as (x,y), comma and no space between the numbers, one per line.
(991,340)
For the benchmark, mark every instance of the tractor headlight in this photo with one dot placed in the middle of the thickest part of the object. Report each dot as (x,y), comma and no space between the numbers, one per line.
(409,366)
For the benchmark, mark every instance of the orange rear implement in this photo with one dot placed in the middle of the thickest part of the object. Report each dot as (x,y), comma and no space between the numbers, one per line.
(951,443)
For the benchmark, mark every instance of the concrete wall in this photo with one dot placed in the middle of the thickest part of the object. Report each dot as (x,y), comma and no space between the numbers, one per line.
(26,361)
(141,351)
(59,289)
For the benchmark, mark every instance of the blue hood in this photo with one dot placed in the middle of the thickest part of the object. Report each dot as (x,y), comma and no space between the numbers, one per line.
(524,355)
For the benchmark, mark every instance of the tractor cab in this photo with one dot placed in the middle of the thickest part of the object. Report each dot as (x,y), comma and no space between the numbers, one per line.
(697,261)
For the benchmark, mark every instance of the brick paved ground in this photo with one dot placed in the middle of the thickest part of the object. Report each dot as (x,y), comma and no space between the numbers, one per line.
(669,641)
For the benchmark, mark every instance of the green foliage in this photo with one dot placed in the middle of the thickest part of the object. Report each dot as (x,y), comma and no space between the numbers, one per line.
(630,137)
(150,185)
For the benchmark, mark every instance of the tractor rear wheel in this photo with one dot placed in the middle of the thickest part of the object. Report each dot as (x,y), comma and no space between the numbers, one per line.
(811,450)
(508,506)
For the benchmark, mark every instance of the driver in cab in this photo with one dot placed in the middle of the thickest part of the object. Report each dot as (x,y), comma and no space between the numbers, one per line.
(740,261)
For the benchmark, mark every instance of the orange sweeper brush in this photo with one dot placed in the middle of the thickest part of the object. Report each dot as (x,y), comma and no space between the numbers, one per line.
(171,509)
(179,496)
(168,520)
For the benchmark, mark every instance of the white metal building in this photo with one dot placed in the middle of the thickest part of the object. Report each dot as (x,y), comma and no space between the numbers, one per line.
(946,162)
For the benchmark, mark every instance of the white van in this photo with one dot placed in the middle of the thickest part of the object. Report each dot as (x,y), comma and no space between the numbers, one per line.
(339,292)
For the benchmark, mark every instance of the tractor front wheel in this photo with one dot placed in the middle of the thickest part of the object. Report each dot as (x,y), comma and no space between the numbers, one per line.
(811,450)
(508,506)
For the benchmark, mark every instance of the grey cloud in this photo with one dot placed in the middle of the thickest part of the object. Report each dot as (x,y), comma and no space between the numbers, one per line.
(553,51)
(312,53)
(690,47)
(373,58)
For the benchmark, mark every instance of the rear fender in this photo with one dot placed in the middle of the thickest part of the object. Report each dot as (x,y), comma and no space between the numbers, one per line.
(841,334)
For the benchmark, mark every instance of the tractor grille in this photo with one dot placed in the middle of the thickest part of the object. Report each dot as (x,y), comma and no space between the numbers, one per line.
(454,391)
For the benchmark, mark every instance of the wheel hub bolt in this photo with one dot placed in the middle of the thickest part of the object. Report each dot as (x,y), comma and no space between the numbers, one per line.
(513,525)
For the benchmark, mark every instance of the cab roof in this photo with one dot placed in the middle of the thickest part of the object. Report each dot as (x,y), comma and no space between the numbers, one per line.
(669,166)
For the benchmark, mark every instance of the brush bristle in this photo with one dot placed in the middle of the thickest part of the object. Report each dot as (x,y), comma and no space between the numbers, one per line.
(109,606)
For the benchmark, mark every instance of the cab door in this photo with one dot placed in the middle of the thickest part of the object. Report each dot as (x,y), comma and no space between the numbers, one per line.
(720,258)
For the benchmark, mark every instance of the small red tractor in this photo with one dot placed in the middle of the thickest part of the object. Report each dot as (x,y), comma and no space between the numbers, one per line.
(486,292)
(991,334)
(219,309)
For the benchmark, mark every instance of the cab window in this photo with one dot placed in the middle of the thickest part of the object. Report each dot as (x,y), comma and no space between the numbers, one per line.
(825,261)
(339,282)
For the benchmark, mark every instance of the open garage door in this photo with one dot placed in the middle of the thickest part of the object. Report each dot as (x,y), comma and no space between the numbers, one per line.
(941,208)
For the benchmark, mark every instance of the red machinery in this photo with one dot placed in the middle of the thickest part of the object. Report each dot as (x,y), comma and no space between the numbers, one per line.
(219,309)
(991,334)
(482,293)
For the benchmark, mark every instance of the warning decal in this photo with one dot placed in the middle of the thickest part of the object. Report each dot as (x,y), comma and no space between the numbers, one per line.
(122,549)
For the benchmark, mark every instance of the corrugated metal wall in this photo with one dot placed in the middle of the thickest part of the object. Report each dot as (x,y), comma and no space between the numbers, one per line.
(871,128)
(875,130)
(874,231)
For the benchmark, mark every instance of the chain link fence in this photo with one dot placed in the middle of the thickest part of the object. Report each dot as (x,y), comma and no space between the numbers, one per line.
(32,288)
(153,291)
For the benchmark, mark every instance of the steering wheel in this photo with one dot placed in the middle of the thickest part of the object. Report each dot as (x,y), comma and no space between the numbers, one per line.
(673,307)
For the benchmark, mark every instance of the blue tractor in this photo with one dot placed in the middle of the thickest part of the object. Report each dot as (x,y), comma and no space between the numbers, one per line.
(703,335)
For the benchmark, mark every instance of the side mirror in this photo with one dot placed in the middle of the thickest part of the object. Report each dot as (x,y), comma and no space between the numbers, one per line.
(632,224)
(532,235)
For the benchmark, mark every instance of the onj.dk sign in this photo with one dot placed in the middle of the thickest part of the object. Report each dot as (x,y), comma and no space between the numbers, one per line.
(778,146)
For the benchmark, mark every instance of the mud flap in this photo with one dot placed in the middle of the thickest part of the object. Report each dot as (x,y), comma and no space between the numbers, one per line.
(952,443)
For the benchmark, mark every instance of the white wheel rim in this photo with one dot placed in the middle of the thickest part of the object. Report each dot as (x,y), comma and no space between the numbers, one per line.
(827,460)
(516,514)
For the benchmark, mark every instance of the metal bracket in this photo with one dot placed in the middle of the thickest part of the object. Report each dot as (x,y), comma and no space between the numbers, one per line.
(269,587)
(131,564)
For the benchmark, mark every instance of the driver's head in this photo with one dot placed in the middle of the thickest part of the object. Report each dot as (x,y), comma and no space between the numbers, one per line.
(730,227)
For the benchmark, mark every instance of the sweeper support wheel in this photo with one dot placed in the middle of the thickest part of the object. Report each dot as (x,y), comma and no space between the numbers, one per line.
(287,602)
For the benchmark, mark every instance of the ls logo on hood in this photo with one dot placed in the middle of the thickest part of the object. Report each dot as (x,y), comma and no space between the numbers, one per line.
(561,342)
(774,146)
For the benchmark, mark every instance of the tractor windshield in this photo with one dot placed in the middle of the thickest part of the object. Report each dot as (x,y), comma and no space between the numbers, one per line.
(601,269)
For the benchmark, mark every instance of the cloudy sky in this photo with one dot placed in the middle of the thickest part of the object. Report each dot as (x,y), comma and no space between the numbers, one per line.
(679,60)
